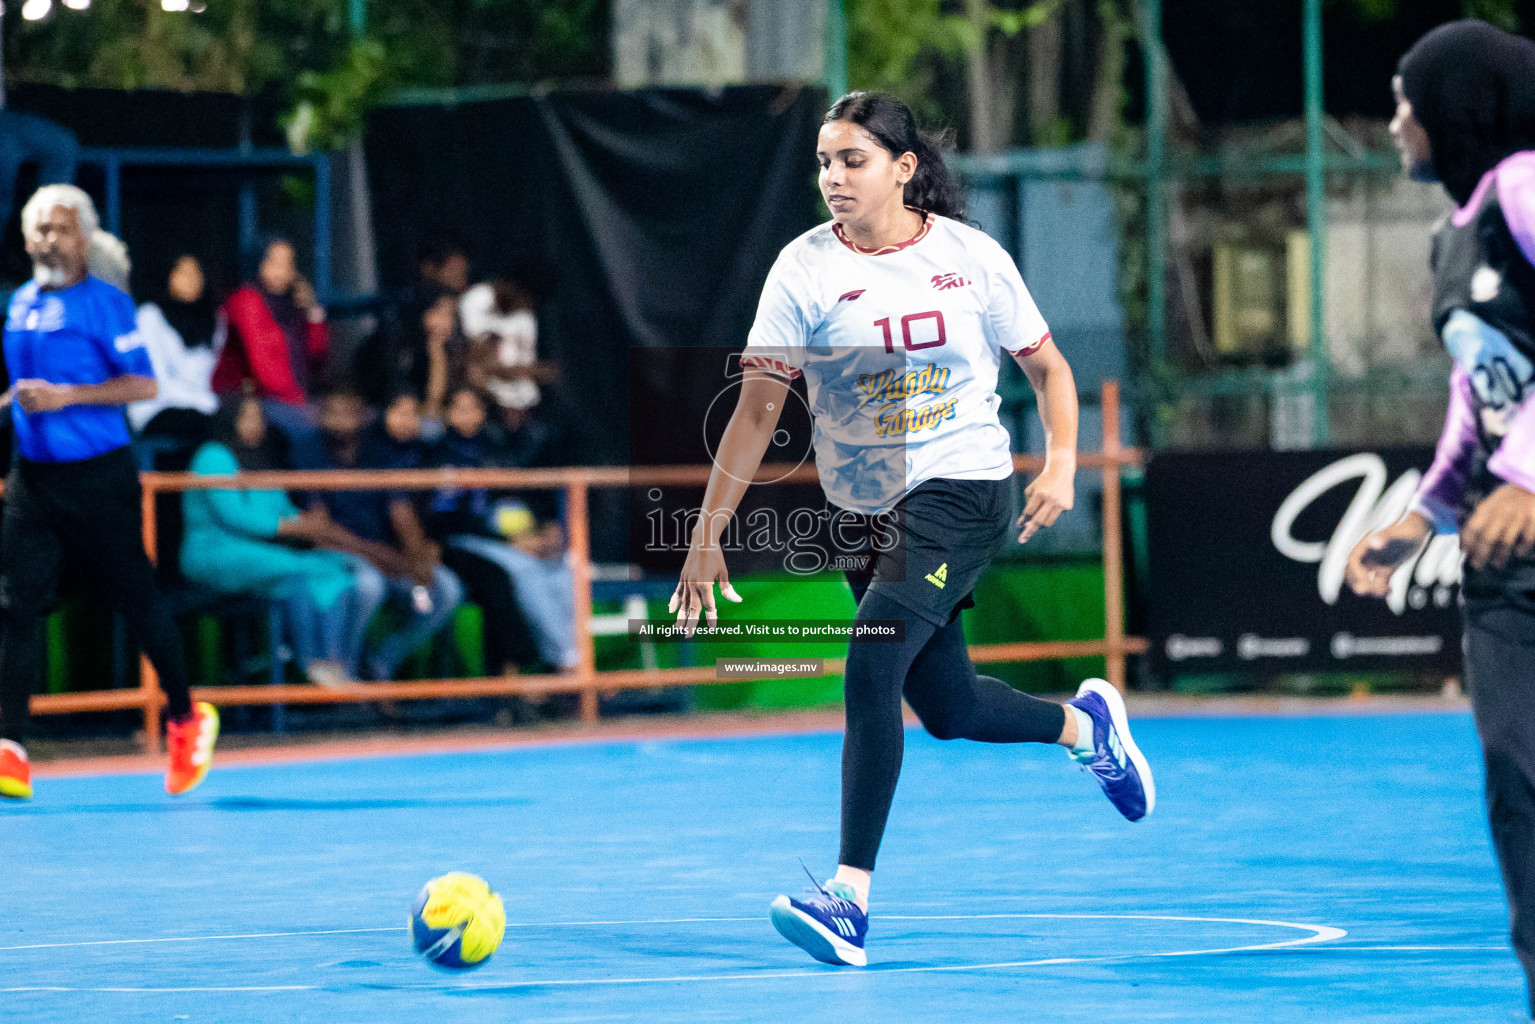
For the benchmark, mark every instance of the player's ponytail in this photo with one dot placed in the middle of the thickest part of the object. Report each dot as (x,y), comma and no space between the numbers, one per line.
(893,126)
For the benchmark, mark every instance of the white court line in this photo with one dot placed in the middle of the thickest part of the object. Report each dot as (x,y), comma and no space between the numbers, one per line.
(194,938)
(361,931)
(1319,933)
(231,988)
(1413,949)
(675,920)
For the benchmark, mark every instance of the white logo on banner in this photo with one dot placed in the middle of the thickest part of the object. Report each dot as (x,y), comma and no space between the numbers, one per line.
(1420,580)
(1251,646)
(1346,645)
(1180,647)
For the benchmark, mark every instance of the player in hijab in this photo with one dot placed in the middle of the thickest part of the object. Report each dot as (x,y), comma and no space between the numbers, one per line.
(1466,118)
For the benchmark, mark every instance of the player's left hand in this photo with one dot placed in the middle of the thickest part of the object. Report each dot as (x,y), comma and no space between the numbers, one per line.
(42,396)
(1503,525)
(1051,493)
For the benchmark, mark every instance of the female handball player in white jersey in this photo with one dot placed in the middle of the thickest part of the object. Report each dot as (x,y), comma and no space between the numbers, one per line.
(897,314)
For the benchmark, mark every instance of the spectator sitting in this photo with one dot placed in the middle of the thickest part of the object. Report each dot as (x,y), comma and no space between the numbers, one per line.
(528,562)
(443,264)
(412,574)
(278,340)
(184,333)
(259,543)
(398,354)
(498,318)
(416,356)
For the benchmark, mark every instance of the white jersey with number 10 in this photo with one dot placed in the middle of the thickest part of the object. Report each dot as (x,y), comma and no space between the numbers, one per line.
(900,351)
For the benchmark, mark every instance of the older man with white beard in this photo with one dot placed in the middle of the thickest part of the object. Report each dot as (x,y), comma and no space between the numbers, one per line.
(75,359)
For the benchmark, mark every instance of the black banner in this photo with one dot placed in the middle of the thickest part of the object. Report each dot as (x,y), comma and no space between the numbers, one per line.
(1248,550)
(657,212)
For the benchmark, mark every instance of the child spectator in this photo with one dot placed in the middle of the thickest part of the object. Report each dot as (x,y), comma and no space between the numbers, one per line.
(501,548)
(411,575)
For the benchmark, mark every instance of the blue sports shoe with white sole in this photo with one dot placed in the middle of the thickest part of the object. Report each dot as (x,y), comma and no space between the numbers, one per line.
(827,923)
(1114,759)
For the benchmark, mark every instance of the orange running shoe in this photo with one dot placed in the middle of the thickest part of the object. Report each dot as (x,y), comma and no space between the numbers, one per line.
(191,743)
(15,771)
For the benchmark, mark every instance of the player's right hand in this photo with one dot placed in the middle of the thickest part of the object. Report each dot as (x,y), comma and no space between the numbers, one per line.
(695,591)
(1381,552)
(1047,496)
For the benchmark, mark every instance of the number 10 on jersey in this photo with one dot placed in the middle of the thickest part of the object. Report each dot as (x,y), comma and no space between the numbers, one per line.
(906,325)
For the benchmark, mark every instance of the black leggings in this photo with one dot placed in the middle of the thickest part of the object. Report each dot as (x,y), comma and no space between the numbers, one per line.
(932,669)
(1500,673)
(93,508)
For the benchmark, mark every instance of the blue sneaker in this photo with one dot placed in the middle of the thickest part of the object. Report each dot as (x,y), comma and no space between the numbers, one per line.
(827,923)
(1114,758)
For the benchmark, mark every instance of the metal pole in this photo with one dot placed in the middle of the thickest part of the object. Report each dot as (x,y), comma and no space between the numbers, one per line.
(149,680)
(114,175)
(1156,186)
(250,215)
(1113,540)
(359,18)
(578,526)
(322,226)
(836,49)
(1316,215)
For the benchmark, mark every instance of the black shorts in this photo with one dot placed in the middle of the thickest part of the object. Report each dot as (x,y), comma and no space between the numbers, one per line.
(927,553)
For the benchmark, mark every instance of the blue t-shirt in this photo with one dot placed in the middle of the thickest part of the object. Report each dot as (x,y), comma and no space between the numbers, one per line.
(85,334)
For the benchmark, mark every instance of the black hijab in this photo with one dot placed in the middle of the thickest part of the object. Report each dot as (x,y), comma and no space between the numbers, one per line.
(194,321)
(1472,88)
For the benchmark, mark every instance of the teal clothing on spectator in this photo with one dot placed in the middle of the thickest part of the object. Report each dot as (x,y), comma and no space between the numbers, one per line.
(231,542)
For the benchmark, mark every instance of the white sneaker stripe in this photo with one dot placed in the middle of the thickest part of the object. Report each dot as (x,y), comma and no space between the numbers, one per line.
(202,753)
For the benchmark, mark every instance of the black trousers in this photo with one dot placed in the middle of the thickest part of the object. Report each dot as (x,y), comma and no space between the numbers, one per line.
(1499,646)
(507,639)
(92,509)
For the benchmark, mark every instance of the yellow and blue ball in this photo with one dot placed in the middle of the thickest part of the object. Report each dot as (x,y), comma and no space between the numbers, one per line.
(457,922)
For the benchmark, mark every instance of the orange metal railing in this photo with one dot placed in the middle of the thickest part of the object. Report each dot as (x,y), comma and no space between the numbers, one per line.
(586,681)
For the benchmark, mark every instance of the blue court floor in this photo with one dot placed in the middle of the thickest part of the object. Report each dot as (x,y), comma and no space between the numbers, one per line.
(1296,870)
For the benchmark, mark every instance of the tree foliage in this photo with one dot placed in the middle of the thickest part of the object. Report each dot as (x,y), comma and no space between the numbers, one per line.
(303,49)
(1502,13)
(232,46)
(914,47)
(894,45)
(909,47)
